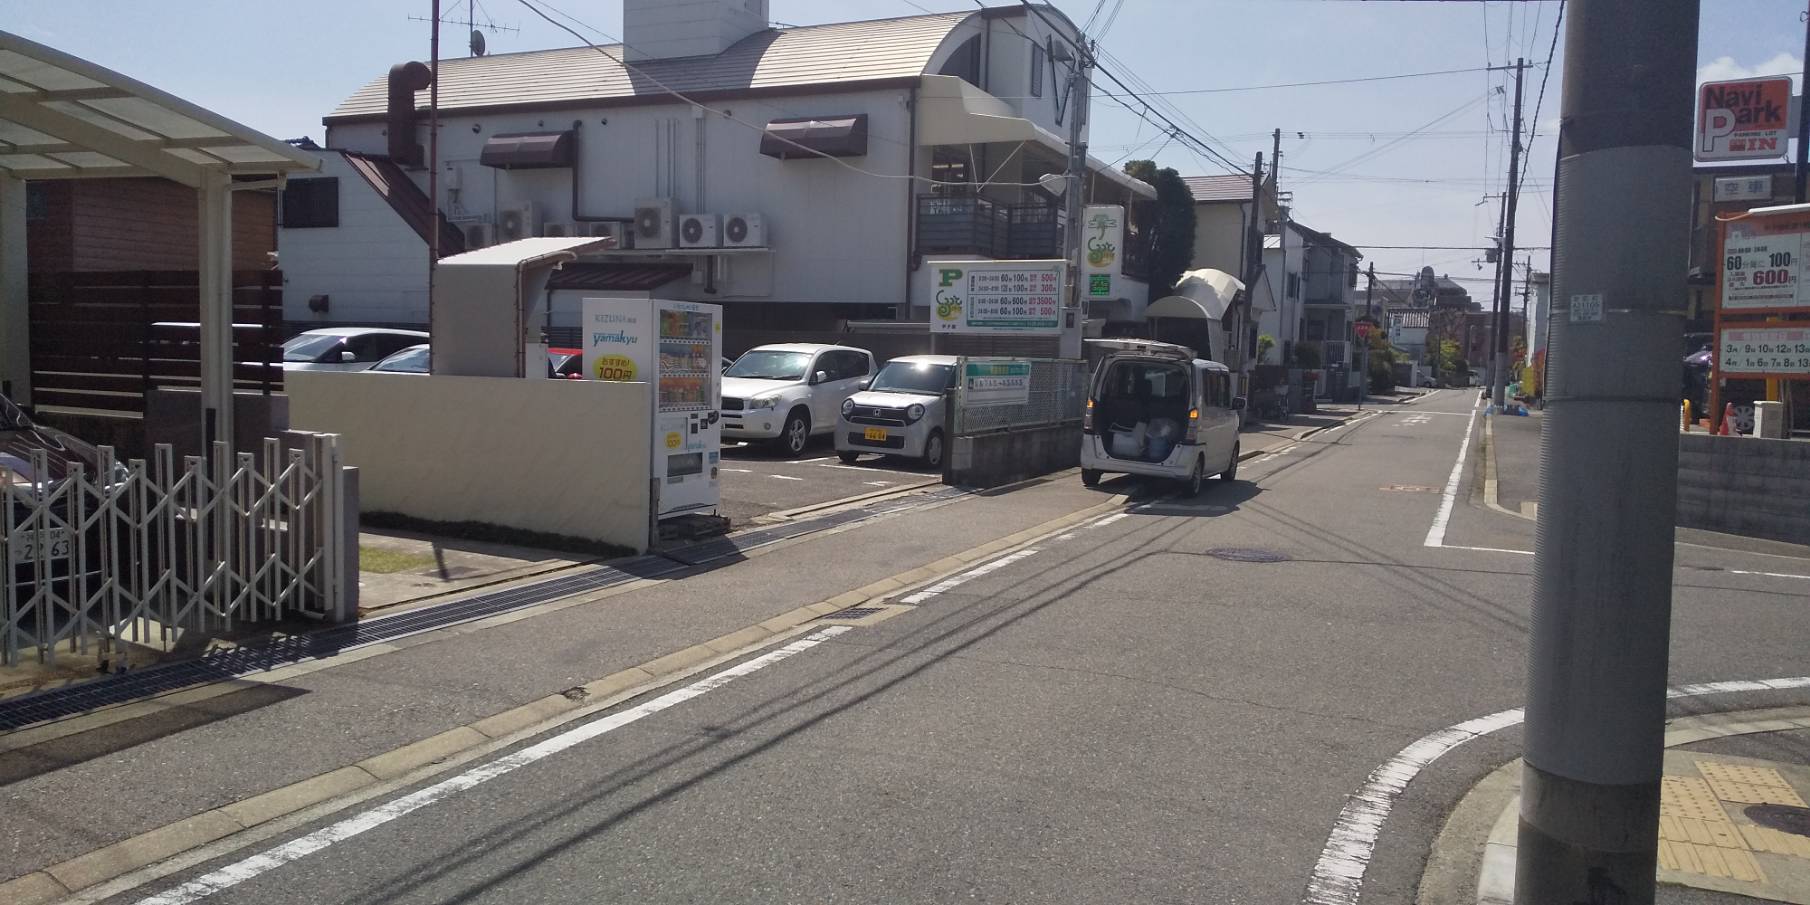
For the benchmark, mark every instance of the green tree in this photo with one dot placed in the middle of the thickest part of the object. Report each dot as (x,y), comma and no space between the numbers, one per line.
(1265,343)
(1172,233)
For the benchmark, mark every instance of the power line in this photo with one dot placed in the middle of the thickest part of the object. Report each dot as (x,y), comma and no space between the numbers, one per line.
(1534,132)
(1373,152)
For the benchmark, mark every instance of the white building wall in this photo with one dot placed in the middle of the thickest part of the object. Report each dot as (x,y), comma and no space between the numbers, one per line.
(372,267)
(838,227)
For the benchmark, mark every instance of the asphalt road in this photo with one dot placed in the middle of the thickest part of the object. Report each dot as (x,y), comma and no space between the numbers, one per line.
(757,480)
(1124,714)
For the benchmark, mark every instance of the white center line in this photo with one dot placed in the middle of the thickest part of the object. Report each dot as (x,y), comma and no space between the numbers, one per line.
(240,871)
(952,582)
(1436,534)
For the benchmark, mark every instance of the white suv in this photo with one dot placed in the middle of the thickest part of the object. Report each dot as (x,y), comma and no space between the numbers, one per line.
(787,392)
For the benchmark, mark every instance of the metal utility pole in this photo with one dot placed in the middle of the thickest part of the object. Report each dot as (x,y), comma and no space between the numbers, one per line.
(1369,312)
(1500,390)
(1078,84)
(1803,120)
(1596,678)
(433,165)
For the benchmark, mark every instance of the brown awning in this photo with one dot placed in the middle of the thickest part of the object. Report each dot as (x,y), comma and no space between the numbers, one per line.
(612,276)
(527,150)
(835,136)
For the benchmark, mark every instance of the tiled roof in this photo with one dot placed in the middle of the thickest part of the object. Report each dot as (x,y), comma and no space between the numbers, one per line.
(1219,188)
(839,53)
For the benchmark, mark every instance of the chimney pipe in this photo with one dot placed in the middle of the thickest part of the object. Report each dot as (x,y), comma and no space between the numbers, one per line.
(405,80)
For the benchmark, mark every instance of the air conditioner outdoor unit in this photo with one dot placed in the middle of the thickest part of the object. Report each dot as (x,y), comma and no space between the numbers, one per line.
(744,231)
(602,229)
(479,235)
(700,231)
(558,229)
(654,223)
(516,223)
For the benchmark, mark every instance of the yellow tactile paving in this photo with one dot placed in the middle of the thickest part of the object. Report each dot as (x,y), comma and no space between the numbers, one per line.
(1688,796)
(1744,867)
(1771,841)
(1749,785)
(1667,860)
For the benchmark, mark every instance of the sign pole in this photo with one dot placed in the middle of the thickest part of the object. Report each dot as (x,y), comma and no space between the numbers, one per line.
(1803,121)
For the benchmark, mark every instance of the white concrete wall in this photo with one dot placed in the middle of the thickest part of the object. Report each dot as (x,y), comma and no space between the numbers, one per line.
(372,267)
(1008,64)
(566,457)
(657,29)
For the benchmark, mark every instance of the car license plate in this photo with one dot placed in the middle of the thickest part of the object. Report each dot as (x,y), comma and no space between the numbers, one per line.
(26,545)
(876,434)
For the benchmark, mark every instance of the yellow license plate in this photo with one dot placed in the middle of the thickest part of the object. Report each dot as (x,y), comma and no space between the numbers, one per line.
(875,433)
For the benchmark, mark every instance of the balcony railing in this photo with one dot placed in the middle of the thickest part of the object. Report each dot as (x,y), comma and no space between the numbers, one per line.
(1008,232)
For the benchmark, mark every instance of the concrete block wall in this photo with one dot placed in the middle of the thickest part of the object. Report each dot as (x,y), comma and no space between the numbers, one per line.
(997,459)
(1745,486)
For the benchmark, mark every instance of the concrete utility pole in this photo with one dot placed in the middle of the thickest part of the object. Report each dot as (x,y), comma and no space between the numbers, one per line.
(433,167)
(1596,678)
(1488,366)
(1498,395)
(1803,121)
(1253,265)
(1369,312)
(1073,199)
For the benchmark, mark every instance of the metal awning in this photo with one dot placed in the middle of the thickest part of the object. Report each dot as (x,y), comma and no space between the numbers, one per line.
(616,276)
(1204,294)
(835,136)
(62,117)
(527,150)
(954,112)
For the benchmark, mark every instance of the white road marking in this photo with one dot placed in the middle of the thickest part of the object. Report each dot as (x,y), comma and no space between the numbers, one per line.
(1338,875)
(1484,549)
(240,871)
(954,581)
(1767,574)
(818,459)
(870,469)
(1062,537)
(878,483)
(1112,518)
(1436,534)
(784,477)
(738,470)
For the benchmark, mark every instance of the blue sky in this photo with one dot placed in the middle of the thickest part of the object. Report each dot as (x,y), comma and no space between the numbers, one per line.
(266,66)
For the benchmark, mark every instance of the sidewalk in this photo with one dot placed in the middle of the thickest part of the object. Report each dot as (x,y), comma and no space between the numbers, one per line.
(1733,822)
(1513,451)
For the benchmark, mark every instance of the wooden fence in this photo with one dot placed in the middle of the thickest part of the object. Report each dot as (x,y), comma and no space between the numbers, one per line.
(101,340)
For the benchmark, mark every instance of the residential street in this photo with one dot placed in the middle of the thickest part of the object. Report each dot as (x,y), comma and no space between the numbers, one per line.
(1116,712)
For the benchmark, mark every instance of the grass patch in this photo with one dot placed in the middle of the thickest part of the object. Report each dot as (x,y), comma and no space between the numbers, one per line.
(484,532)
(389,562)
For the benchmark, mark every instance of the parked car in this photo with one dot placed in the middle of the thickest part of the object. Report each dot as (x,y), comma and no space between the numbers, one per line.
(789,392)
(901,413)
(346,348)
(412,360)
(1154,409)
(565,364)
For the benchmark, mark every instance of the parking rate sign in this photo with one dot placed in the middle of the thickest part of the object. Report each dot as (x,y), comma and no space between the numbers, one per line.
(1748,119)
(1763,264)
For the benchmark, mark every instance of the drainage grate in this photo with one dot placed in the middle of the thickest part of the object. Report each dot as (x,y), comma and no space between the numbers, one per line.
(58,703)
(853,612)
(1781,817)
(1246,554)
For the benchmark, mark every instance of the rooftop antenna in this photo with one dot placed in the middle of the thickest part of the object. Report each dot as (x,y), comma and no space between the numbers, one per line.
(477,46)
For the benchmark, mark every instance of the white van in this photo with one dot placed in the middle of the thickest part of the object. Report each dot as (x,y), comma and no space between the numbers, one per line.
(1154,409)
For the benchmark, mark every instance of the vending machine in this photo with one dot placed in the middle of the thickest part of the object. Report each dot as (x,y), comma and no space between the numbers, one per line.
(673,347)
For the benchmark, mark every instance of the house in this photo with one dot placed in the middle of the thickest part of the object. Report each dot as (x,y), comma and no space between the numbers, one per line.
(135,223)
(1408,331)
(1222,219)
(802,181)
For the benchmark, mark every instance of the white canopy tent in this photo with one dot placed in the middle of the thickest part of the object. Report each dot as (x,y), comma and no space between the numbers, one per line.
(1202,295)
(63,117)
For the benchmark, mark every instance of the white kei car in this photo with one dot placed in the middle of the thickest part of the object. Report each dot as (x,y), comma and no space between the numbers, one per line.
(901,413)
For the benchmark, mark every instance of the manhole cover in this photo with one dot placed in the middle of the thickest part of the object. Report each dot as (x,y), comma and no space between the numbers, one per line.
(1243,554)
(1781,817)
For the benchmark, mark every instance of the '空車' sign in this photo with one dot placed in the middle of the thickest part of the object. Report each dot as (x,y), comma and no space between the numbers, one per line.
(1743,120)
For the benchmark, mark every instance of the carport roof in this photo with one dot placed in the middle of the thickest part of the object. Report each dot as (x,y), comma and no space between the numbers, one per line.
(63,117)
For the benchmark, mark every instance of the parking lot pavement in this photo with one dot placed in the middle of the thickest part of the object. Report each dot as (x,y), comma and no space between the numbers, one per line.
(757,481)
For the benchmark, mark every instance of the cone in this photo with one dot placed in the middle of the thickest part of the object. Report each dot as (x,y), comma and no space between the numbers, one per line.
(1728,420)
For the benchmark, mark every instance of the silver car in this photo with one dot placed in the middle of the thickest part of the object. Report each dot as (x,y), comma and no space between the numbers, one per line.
(346,348)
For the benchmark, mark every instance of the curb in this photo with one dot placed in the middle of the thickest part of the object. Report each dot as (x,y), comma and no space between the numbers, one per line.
(1490,484)
(786,515)
(411,762)
(1494,802)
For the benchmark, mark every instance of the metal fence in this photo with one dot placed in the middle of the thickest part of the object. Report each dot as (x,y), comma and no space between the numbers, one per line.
(1001,394)
(138,551)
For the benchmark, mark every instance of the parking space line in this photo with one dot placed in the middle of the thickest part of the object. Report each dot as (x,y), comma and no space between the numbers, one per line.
(873,470)
(784,477)
(738,470)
